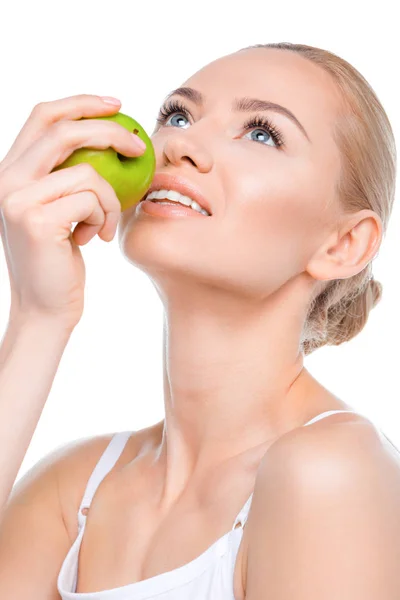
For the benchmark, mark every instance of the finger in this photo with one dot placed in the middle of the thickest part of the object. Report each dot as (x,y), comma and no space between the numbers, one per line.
(68,181)
(82,207)
(46,113)
(53,148)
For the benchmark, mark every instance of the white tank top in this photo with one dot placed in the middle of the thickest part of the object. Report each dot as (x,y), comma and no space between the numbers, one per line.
(210,575)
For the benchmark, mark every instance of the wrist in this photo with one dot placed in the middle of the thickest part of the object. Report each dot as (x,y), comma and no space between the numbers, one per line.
(40,322)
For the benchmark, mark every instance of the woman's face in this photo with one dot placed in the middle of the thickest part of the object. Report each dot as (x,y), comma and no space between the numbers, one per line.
(273,199)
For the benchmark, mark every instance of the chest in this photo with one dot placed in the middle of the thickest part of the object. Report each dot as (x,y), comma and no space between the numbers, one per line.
(127,541)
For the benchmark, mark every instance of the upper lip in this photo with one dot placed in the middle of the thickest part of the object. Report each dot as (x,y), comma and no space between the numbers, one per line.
(164,181)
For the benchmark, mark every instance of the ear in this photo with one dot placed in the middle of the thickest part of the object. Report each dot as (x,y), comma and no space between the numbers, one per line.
(349,249)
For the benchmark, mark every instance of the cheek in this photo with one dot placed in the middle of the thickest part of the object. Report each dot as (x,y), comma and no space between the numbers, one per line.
(278,219)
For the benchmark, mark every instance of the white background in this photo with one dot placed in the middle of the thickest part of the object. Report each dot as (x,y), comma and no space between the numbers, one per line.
(110,376)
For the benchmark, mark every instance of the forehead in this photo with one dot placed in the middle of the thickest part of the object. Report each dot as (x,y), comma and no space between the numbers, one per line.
(276,75)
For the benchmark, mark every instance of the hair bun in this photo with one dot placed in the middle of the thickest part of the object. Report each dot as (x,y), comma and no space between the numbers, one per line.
(376,289)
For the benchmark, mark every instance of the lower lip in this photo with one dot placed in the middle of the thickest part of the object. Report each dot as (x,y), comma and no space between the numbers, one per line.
(167,210)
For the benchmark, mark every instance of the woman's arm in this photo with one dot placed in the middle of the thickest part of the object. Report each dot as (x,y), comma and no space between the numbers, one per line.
(325,518)
(30,353)
(40,521)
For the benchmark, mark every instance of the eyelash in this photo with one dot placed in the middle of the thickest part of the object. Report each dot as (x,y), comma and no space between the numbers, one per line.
(174,106)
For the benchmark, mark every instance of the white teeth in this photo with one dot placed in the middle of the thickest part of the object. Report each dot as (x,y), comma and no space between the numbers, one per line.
(177,197)
(196,206)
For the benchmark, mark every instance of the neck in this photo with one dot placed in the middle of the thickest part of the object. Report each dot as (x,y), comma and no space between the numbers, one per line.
(234,381)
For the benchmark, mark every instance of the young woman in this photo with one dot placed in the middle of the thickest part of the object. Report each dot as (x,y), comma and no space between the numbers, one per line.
(259,482)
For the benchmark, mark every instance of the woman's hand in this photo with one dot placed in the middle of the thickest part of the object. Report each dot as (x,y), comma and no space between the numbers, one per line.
(38,207)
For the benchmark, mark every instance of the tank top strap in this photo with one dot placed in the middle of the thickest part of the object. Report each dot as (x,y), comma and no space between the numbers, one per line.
(104,465)
(243,513)
(326,414)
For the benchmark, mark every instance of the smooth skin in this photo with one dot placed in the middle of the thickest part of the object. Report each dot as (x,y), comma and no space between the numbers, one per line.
(324,520)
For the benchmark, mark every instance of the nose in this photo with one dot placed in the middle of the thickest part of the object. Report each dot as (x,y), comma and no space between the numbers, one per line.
(180,149)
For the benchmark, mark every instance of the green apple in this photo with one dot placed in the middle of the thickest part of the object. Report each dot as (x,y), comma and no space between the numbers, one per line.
(130,176)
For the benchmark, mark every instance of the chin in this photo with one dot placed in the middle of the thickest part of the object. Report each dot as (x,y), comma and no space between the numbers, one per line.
(157,247)
(152,248)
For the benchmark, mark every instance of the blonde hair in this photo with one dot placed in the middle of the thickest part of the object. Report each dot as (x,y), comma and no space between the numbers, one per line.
(367,181)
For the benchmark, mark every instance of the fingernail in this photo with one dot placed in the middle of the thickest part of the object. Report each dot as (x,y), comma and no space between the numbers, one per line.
(110,100)
(140,143)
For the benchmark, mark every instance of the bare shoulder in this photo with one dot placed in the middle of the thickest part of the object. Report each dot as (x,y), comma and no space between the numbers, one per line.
(334,480)
(343,444)
(338,436)
(41,513)
(75,462)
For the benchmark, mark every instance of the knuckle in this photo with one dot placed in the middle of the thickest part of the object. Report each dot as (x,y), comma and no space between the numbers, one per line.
(10,208)
(87,97)
(92,198)
(39,109)
(77,97)
(59,128)
(100,184)
(87,171)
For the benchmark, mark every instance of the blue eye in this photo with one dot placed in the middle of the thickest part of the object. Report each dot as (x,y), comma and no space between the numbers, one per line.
(176,109)
(264,132)
(175,115)
(263,124)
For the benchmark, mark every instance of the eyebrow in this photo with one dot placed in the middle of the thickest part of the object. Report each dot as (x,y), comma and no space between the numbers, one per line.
(241,104)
